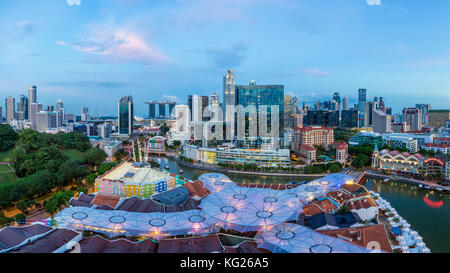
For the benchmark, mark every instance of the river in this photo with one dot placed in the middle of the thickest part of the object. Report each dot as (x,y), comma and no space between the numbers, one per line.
(427,212)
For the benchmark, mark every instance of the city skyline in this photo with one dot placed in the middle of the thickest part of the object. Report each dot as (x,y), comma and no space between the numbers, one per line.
(108,49)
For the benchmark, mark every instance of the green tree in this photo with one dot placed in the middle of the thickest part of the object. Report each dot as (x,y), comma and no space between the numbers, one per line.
(120,154)
(360,161)
(95,156)
(8,137)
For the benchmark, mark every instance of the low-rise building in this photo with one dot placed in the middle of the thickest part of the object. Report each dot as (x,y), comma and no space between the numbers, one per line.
(435,166)
(442,148)
(265,158)
(135,179)
(397,141)
(228,155)
(396,161)
(307,154)
(447,171)
(341,149)
(313,135)
(366,138)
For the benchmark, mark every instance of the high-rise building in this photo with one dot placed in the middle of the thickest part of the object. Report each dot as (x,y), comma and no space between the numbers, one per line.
(1,114)
(60,108)
(205,103)
(229,96)
(324,118)
(290,110)
(345,104)
(425,111)
(337,99)
(381,122)
(413,116)
(370,106)
(214,99)
(85,114)
(42,121)
(22,106)
(189,103)
(10,109)
(32,98)
(162,110)
(260,95)
(126,115)
(438,117)
(50,108)
(362,99)
(349,118)
(32,114)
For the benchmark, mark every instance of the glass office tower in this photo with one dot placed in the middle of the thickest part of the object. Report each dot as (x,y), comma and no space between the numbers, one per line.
(126,115)
(257,95)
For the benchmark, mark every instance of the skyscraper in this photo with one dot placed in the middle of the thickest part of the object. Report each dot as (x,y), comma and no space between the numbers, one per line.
(32,98)
(22,106)
(10,108)
(85,114)
(260,95)
(42,121)
(229,96)
(60,108)
(337,98)
(290,109)
(381,122)
(214,99)
(413,116)
(345,104)
(126,115)
(189,103)
(362,98)
(425,111)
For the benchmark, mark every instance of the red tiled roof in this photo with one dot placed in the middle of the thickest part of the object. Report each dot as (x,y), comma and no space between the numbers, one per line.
(206,244)
(361,204)
(313,209)
(362,236)
(312,128)
(101,200)
(436,145)
(196,188)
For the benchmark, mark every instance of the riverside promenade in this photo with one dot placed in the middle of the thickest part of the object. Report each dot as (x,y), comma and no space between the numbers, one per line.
(396,178)
(214,168)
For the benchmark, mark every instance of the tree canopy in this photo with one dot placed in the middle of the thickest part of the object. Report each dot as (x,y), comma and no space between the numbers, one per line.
(8,137)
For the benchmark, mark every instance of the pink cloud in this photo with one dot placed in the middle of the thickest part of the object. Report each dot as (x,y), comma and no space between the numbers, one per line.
(117,44)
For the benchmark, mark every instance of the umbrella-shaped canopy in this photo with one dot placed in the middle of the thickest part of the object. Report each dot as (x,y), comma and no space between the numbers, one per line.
(293,238)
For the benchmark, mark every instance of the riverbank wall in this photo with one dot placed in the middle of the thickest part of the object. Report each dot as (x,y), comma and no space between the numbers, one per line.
(214,168)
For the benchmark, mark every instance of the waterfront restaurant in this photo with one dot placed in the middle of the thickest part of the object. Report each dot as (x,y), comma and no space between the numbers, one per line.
(396,161)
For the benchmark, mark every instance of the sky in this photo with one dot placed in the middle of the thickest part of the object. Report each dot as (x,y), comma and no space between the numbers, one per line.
(92,52)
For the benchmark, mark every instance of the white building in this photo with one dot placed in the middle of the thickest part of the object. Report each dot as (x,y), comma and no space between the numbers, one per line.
(398,140)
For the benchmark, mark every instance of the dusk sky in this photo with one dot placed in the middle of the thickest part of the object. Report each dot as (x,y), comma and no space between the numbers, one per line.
(93,53)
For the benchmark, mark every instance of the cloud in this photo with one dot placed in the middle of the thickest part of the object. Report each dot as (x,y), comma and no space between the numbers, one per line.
(230,57)
(23,29)
(172,98)
(73,2)
(315,72)
(116,44)
(432,62)
(373,2)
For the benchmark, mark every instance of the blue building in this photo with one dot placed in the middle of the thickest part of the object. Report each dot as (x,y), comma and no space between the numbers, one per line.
(257,95)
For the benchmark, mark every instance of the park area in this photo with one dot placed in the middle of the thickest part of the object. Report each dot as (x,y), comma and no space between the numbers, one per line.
(6,174)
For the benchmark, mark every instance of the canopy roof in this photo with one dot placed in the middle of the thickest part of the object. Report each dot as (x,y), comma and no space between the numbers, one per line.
(293,238)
